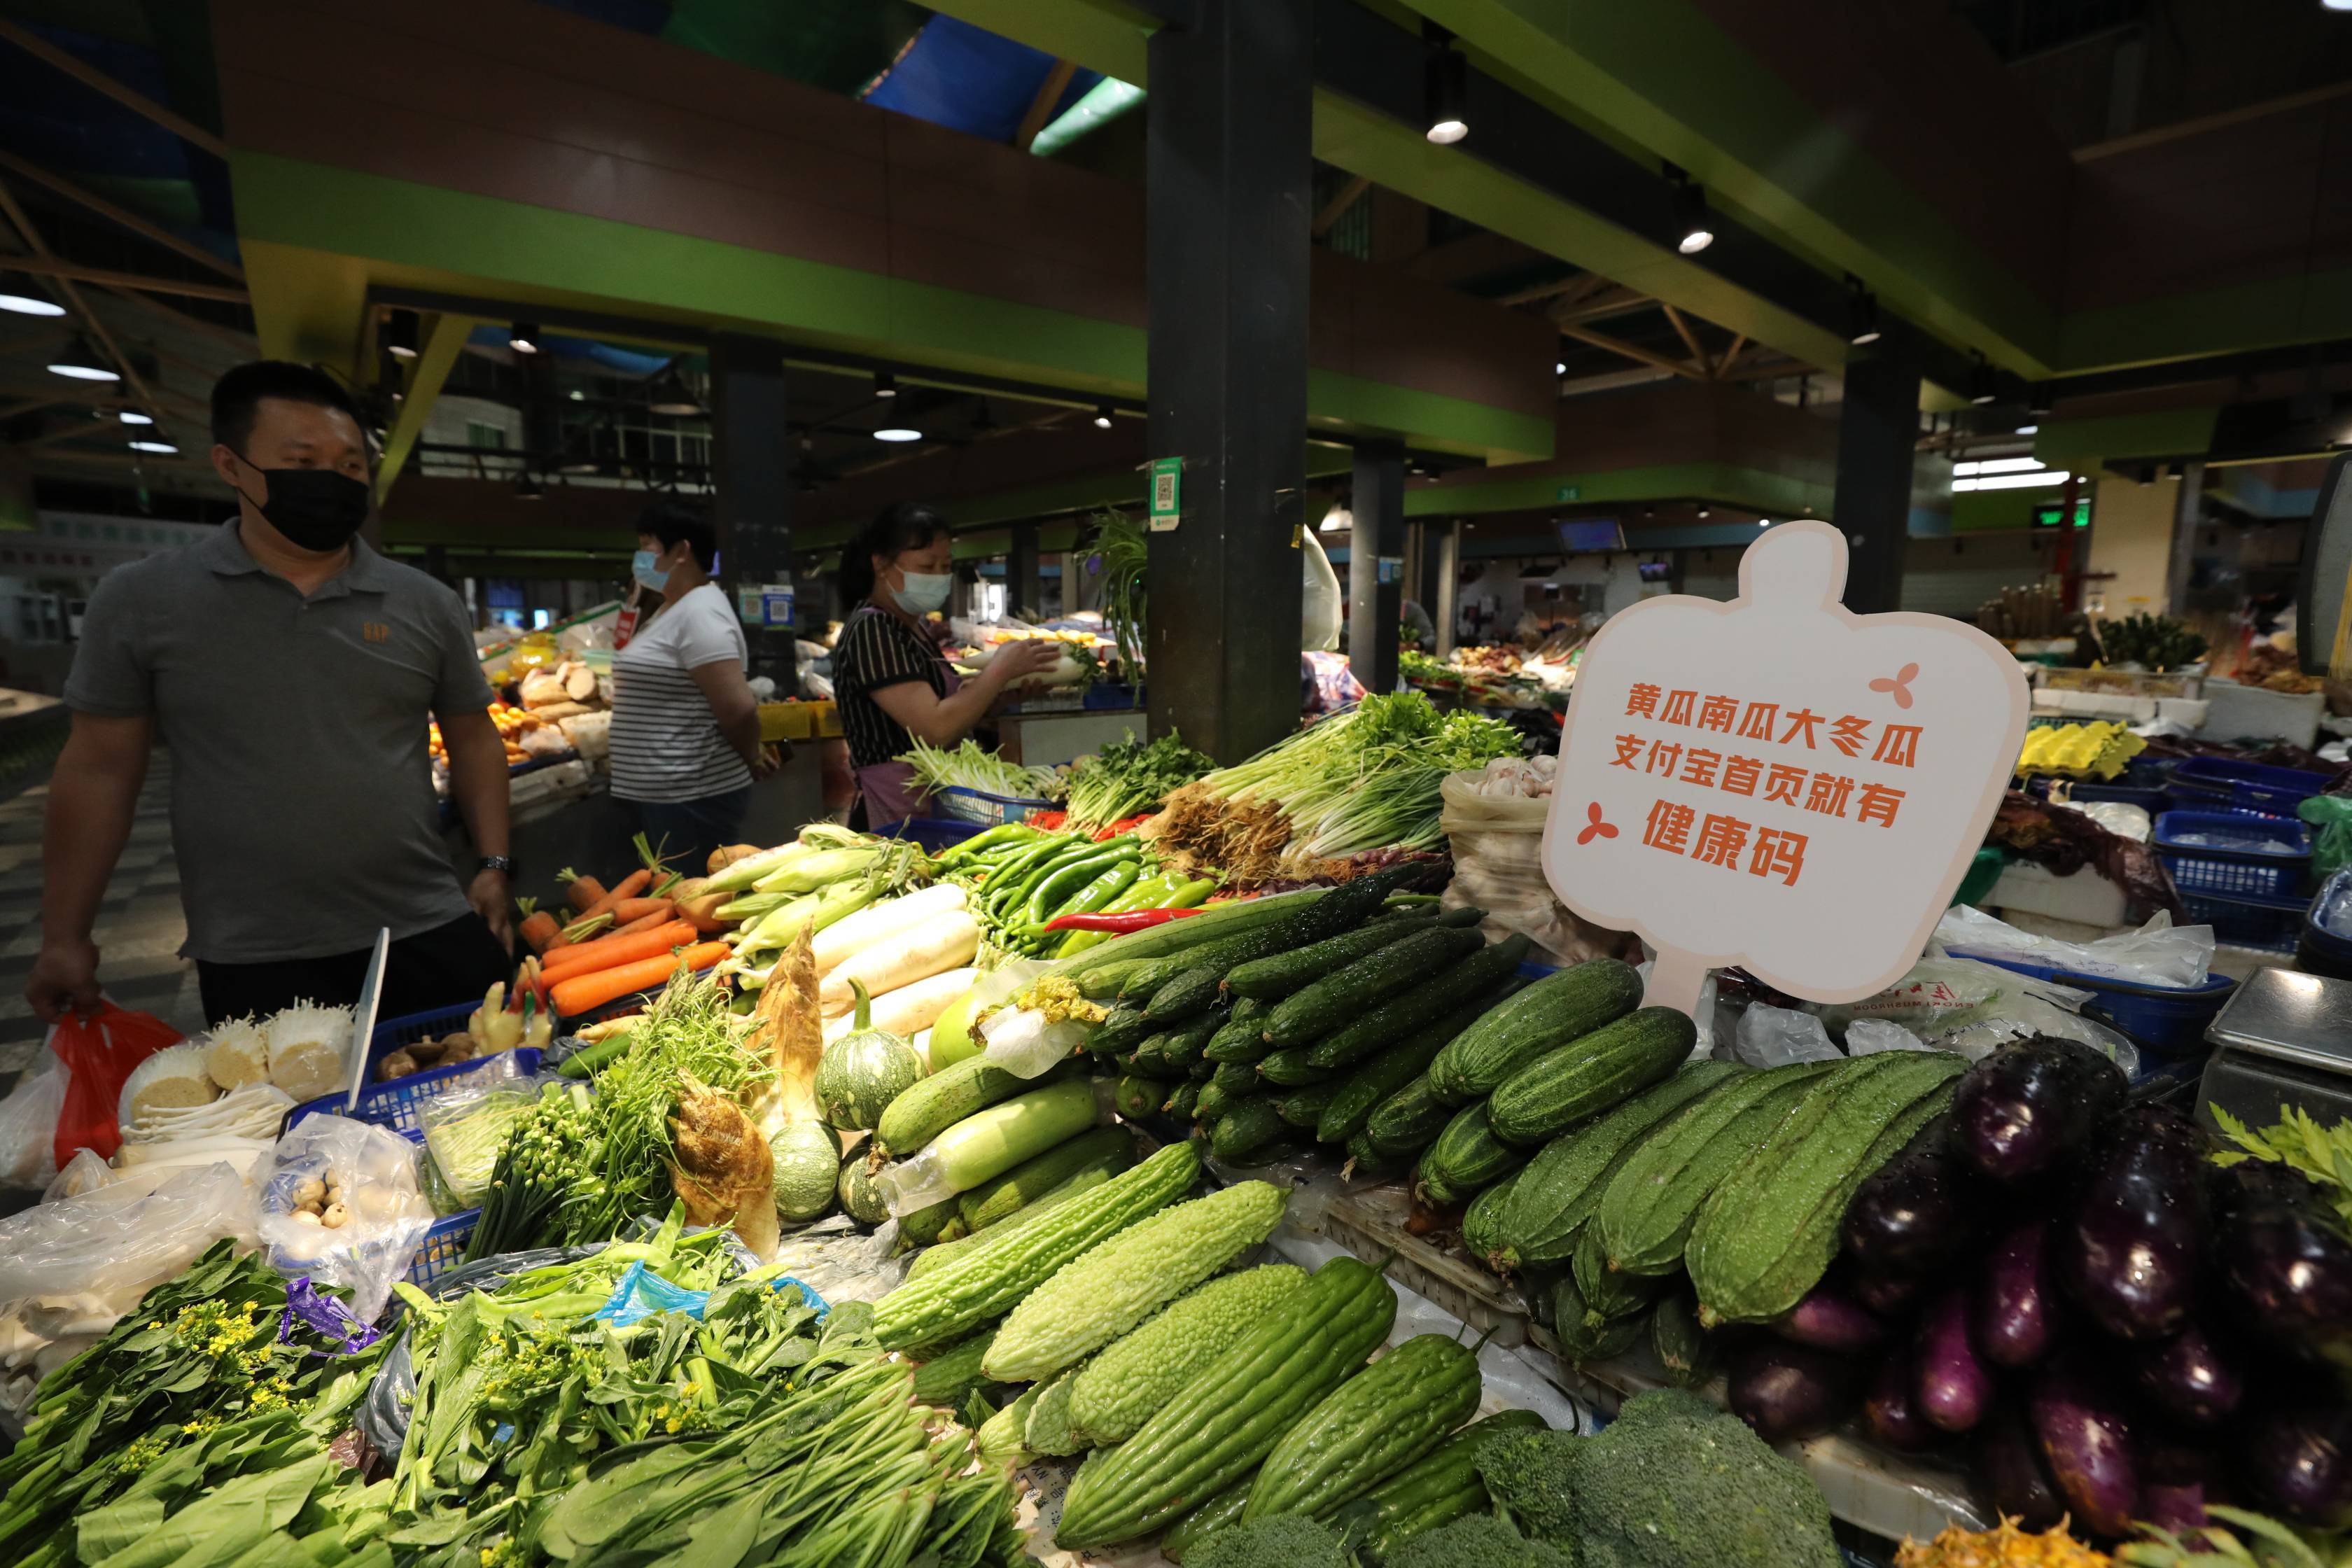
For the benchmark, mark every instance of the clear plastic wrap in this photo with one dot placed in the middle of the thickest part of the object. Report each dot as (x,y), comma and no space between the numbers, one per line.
(115,1241)
(1780,1036)
(387,1215)
(2158,953)
(28,1127)
(465,1126)
(1496,839)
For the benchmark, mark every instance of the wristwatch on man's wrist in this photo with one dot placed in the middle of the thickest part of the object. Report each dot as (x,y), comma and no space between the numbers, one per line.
(496,863)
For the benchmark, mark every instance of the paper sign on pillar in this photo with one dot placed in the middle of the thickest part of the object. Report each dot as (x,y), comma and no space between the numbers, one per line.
(1777,782)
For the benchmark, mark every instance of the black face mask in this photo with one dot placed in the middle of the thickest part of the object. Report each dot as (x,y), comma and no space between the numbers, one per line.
(316,509)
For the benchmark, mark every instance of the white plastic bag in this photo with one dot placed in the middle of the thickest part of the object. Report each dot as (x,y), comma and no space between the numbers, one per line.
(117,1241)
(388,1216)
(1021,1042)
(2158,954)
(28,1127)
(1320,600)
(1497,843)
(1868,1037)
(1780,1036)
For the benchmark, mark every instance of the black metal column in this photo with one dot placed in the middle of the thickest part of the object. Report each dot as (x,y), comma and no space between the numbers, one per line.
(751,459)
(1376,602)
(1878,432)
(1228,175)
(1023,594)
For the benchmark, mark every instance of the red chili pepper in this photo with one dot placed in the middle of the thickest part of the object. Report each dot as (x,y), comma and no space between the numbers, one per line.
(1126,824)
(1133,920)
(1046,821)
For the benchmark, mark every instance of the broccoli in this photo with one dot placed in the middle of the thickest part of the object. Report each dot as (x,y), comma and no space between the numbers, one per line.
(1286,1541)
(1673,1483)
(1476,1541)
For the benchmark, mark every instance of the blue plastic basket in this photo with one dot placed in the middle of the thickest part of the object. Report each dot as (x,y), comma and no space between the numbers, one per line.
(2272,923)
(2237,872)
(933,833)
(444,1247)
(2221,783)
(988,810)
(2167,1019)
(395,1104)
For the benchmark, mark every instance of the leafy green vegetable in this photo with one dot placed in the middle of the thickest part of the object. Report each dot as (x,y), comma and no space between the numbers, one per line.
(971,767)
(1126,778)
(2298,1140)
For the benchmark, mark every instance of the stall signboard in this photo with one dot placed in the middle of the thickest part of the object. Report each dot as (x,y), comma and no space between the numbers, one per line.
(1777,782)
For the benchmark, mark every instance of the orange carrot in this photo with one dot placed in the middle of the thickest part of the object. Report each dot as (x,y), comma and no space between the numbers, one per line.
(627,912)
(661,914)
(586,993)
(609,951)
(628,887)
(538,928)
(582,893)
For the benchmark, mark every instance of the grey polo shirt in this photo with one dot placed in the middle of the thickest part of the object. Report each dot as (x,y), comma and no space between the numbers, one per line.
(302,807)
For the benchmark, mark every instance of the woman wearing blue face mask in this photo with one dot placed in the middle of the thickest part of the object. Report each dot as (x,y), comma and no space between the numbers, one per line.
(889,676)
(686,724)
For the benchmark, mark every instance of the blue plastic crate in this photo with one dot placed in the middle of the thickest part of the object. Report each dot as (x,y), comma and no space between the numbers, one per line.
(395,1104)
(2222,784)
(444,1247)
(933,833)
(2167,1019)
(988,810)
(2241,870)
(2271,924)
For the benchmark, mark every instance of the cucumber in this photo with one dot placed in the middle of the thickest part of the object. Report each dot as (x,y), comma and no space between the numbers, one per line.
(1213,1101)
(1340,998)
(1237,1078)
(1179,1104)
(1407,1122)
(1134,1098)
(1216,957)
(1368,1163)
(1187,996)
(1151,1060)
(931,1258)
(1304,1107)
(1290,1069)
(1237,1039)
(1584,1335)
(1482,1225)
(1466,1159)
(1272,979)
(1590,1074)
(1546,1014)
(1243,1127)
(1125,1029)
(1391,1071)
(1371,1426)
(1438,1488)
(1185,1041)
(1002,1197)
(1482,980)
(942,1221)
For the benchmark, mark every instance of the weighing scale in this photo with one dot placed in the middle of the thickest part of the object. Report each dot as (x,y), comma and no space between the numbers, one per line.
(2283,1039)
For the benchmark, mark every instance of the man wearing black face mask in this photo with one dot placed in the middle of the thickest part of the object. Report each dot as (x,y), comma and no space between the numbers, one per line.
(292,671)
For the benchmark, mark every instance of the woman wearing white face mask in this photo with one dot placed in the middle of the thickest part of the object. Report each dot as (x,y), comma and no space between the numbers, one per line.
(888,675)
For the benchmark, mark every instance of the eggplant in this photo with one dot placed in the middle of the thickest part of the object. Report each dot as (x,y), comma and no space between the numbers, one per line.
(1953,1387)
(2190,1378)
(1892,1411)
(1787,1391)
(1829,1318)
(2129,1251)
(1917,1212)
(1887,1292)
(2285,1262)
(2016,1480)
(2173,1488)
(2026,1110)
(2016,1302)
(2087,1444)
(2300,1463)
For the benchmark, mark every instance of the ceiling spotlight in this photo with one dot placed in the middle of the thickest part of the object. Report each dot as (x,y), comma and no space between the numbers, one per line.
(523,337)
(528,488)
(885,385)
(1339,520)
(1981,389)
(897,433)
(399,335)
(2336,4)
(29,304)
(2040,400)
(1446,87)
(1763,523)
(1863,312)
(132,417)
(78,364)
(1560,367)
(1702,511)
(1691,220)
(163,446)
(2028,430)
(669,394)
(1102,417)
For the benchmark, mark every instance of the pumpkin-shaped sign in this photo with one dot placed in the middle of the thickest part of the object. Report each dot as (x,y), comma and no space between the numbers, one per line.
(1777,782)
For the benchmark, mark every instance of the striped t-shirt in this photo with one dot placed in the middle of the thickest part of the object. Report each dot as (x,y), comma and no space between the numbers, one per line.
(878,649)
(666,743)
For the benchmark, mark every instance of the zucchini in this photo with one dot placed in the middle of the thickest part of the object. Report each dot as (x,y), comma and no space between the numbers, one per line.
(1237,1041)
(1290,1069)
(1243,1127)
(930,1106)
(988,1143)
(1110,1289)
(1482,1224)
(1438,1488)
(948,1377)
(1230,1416)
(1590,1074)
(1371,1426)
(1687,1351)
(1481,980)
(1110,1148)
(1130,1382)
(1134,1098)
(1466,1159)
(1546,1014)
(932,1257)
(1222,1511)
(1304,1107)
(1341,997)
(1184,1042)
(1272,979)
(982,1285)
(1613,1293)
(1391,1071)
(1407,1122)
(942,1221)
(1553,1198)
(1645,1211)
(1190,994)
(1766,1235)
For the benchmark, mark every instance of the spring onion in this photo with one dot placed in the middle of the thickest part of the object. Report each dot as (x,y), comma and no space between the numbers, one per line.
(969,767)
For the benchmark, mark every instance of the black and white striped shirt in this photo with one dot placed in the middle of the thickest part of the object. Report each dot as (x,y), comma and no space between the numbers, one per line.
(666,742)
(876,649)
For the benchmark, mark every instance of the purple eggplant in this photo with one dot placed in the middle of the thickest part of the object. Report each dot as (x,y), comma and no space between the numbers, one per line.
(1887,1292)
(2016,1480)
(1891,1409)
(1788,1391)
(2017,1303)
(2026,1110)
(1831,1319)
(1917,1211)
(2285,1261)
(2300,1463)
(2130,1251)
(1954,1388)
(2088,1445)
(2190,1378)
(2173,1488)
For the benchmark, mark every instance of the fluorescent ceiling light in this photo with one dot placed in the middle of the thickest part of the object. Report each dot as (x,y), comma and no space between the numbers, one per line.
(73,370)
(30,305)
(2028,429)
(132,417)
(2013,481)
(897,433)
(1998,466)
(164,446)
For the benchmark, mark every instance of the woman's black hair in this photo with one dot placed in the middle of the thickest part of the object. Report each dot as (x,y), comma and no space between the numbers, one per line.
(896,528)
(670,521)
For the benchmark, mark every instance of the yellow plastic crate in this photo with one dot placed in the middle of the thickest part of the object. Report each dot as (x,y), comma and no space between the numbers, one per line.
(784,721)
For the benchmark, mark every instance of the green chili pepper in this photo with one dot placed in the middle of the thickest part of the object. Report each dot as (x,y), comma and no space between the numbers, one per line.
(1146,893)
(1046,900)
(1003,833)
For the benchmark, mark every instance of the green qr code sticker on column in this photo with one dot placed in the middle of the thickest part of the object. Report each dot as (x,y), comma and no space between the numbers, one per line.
(1167,493)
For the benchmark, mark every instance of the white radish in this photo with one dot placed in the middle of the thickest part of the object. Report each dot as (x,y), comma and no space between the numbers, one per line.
(910,1009)
(944,942)
(879,922)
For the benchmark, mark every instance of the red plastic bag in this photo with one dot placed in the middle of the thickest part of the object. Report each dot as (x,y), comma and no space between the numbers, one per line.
(99,1052)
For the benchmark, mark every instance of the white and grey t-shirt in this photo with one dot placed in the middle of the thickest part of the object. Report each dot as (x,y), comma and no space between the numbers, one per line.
(666,742)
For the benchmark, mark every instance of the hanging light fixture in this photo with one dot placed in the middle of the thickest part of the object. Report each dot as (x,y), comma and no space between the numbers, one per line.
(523,337)
(1102,417)
(78,364)
(163,446)
(29,303)
(669,394)
(1693,230)
(1445,87)
(399,334)
(1862,312)
(1982,390)
(886,384)
(897,433)
(528,488)
(132,417)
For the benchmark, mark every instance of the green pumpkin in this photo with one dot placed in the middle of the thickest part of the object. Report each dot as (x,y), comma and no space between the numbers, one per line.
(861,1195)
(951,1035)
(864,1071)
(807,1154)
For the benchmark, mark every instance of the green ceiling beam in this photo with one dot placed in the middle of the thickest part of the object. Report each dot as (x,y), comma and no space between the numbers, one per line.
(1753,490)
(2300,308)
(444,337)
(2084,443)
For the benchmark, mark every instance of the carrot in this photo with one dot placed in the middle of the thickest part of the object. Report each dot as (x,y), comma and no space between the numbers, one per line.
(615,950)
(538,927)
(585,928)
(628,887)
(629,910)
(586,993)
(661,914)
(581,892)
